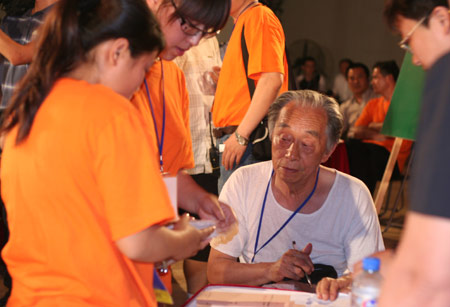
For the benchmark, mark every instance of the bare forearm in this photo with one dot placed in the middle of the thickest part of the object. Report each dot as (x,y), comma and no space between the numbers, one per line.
(188,192)
(16,53)
(412,279)
(231,272)
(154,244)
(265,94)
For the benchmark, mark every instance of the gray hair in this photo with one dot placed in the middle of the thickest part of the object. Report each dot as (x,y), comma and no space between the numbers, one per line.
(310,99)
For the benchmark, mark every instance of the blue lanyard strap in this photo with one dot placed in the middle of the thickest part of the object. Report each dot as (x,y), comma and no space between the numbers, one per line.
(160,140)
(256,250)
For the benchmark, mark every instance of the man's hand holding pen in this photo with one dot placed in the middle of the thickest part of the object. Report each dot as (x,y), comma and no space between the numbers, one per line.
(294,264)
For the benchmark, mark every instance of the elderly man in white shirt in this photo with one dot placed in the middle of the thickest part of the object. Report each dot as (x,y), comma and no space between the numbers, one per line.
(330,215)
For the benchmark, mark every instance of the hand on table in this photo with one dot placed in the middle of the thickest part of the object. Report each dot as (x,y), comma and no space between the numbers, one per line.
(232,153)
(328,288)
(293,265)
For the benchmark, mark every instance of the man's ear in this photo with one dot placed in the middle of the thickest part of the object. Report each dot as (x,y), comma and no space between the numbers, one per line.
(440,18)
(117,51)
(327,155)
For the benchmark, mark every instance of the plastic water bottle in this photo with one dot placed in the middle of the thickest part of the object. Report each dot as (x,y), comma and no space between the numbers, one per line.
(366,285)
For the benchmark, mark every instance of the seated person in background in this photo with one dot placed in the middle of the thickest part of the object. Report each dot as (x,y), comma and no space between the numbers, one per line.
(330,215)
(358,81)
(368,150)
(341,91)
(310,78)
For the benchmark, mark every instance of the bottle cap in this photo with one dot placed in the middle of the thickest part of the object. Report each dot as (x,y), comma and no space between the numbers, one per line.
(371,264)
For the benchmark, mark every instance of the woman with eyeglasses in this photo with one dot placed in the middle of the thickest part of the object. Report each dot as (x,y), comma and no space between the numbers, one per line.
(77,164)
(164,103)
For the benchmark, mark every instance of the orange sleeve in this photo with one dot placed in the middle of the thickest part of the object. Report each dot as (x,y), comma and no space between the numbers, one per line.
(366,116)
(265,42)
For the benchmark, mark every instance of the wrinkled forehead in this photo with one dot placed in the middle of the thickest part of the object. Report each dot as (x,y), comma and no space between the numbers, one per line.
(302,118)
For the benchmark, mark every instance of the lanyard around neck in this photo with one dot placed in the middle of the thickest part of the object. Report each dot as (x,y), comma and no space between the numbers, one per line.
(160,140)
(256,250)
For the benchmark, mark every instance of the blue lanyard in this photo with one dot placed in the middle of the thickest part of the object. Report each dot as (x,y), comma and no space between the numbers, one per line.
(287,221)
(160,140)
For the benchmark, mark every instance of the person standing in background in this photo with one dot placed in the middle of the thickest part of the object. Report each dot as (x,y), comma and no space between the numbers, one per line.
(85,199)
(163,101)
(201,67)
(236,113)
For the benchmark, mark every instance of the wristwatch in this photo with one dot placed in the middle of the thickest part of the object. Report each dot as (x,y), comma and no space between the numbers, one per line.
(240,139)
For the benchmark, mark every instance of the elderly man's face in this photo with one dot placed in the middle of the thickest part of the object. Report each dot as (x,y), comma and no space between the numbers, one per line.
(299,142)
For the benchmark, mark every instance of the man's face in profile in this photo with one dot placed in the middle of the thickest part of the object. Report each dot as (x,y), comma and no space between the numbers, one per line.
(426,42)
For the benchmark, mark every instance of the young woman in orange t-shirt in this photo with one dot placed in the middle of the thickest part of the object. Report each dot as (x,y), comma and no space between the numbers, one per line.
(77,164)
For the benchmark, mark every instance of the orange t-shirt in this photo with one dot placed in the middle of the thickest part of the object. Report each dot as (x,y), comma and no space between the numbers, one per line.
(374,112)
(264,37)
(85,176)
(177,150)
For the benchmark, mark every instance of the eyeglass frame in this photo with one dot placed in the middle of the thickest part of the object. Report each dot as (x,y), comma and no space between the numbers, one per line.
(186,25)
(404,43)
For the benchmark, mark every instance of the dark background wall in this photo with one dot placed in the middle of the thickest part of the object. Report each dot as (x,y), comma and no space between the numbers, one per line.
(334,29)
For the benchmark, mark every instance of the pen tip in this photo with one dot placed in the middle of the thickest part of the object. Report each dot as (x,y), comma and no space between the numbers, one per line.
(293,242)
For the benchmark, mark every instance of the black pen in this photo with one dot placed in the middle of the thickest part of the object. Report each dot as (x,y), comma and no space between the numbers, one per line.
(306,275)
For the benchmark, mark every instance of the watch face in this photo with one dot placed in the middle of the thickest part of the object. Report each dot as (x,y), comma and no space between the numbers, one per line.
(241,140)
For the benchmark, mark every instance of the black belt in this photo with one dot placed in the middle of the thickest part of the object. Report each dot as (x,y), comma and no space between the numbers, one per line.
(220,132)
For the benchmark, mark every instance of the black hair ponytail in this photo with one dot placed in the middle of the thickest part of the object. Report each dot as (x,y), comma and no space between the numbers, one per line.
(71,29)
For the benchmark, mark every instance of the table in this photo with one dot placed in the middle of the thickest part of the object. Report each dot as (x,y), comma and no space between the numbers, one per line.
(238,293)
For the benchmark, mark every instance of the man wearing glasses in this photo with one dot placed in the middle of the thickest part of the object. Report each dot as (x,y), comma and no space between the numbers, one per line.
(236,111)
(420,272)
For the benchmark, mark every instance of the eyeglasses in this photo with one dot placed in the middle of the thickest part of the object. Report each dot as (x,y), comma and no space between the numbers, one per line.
(189,28)
(404,43)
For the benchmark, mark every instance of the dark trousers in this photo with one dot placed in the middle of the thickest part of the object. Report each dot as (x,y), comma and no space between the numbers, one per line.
(368,161)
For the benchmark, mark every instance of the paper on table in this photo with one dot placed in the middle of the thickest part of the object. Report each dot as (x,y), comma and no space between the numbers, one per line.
(297,298)
(217,298)
(171,185)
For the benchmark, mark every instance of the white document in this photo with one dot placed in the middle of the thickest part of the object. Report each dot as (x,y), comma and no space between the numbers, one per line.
(171,185)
